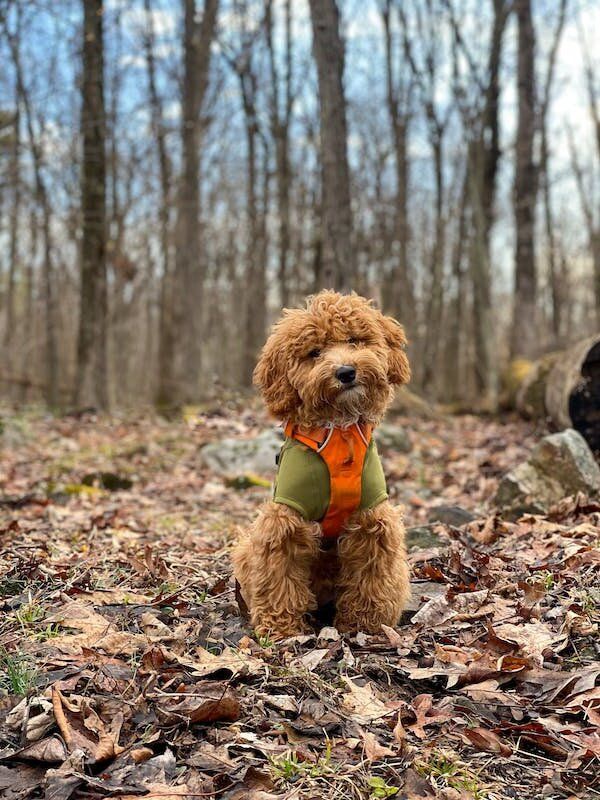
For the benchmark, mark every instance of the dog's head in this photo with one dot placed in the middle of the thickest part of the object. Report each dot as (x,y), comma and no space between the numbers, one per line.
(334,361)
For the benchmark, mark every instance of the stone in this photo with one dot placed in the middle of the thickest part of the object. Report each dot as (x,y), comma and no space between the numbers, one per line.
(560,465)
(451,515)
(420,593)
(233,457)
(422,537)
(392,437)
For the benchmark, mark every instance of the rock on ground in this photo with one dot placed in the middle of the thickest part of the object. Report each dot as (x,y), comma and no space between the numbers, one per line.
(241,456)
(392,437)
(451,515)
(422,537)
(561,464)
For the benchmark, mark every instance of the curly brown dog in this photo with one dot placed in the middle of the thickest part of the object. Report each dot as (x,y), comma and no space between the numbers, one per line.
(327,371)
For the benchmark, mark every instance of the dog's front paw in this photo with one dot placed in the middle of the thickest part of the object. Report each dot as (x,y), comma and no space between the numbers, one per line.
(363,622)
(276,628)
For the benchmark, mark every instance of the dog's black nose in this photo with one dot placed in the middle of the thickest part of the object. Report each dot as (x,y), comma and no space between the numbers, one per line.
(346,374)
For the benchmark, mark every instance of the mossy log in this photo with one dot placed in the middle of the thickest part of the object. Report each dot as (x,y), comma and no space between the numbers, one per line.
(564,387)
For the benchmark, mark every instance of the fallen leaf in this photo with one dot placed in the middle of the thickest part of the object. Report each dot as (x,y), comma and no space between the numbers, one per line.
(362,703)
(203,702)
(486,740)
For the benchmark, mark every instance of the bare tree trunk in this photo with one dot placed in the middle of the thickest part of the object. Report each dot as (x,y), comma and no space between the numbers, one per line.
(556,289)
(41,196)
(91,383)
(280,115)
(453,351)
(524,333)
(28,335)
(165,324)
(592,220)
(14,173)
(181,380)
(13,247)
(398,100)
(339,263)
(255,295)
(436,269)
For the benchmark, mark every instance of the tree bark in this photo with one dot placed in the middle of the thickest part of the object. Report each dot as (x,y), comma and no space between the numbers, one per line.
(255,294)
(564,386)
(91,386)
(398,101)
(181,378)
(165,322)
(339,263)
(280,117)
(41,196)
(524,339)
(13,247)
(556,287)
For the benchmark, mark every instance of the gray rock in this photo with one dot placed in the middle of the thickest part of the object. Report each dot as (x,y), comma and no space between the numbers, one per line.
(422,537)
(420,593)
(243,456)
(560,465)
(392,437)
(451,515)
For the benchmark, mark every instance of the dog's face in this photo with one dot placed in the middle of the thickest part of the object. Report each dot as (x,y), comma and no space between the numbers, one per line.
(335,361)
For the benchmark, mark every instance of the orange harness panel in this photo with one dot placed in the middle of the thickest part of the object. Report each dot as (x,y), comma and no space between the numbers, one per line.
(343,450)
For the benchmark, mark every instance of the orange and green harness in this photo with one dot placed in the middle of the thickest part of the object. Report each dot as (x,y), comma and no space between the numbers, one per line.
(326,474)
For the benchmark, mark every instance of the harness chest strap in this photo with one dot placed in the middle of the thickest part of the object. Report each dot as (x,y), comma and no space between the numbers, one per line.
(343,450)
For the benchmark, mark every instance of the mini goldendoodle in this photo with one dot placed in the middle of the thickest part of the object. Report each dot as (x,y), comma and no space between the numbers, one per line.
(328,372)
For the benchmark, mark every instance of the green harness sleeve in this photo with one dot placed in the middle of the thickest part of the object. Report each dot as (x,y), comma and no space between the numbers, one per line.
(302,480)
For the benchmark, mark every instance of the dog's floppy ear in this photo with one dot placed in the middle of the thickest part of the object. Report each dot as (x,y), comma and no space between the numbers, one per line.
(398,366)
(270,376)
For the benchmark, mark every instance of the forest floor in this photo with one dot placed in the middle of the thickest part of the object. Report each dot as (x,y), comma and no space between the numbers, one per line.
(127,671)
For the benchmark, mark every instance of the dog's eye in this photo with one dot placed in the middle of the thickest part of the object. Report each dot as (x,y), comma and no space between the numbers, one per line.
(314,353)
(354,340)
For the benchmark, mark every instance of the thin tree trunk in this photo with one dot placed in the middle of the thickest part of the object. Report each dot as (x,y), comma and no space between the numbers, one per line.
(181,383)
(339,262)
(436,270)
(525,336)
(166,340)
(41,196)
(592,220)
(91,384)
(13,247)
(453,352)
(280,115)
(28,334)
(255,295)
(556,289)
(402,290)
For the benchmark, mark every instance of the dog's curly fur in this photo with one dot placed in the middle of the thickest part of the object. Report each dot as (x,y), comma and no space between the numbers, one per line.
(282,572)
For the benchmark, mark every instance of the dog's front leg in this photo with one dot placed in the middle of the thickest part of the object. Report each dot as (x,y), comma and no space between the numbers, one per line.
(273,565)
(373,584)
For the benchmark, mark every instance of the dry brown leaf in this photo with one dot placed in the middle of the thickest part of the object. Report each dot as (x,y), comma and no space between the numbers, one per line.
(362,703)
(433,613)
(373,750)
(82,729)
(205,702)
(534,638)
(154,628)
(97,632)
(486,740)
(427,714)
(160,791)
(34,714)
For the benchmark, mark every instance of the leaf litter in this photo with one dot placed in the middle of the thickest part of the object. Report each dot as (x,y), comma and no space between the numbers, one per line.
(126,669)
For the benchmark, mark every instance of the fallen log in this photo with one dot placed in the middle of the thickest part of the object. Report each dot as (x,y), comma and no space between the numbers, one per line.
(564,387)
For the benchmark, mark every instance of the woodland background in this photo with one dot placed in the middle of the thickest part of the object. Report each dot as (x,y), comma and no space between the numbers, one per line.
(169,180)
